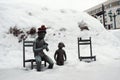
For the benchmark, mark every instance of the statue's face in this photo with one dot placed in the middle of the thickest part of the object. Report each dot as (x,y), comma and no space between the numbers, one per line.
(41,35)
(61,45)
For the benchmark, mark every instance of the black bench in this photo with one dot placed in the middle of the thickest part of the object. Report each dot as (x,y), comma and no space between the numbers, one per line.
(85,42)
(28,44)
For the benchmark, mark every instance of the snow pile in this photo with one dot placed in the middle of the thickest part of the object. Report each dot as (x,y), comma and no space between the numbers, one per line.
(63,27)
(30,15)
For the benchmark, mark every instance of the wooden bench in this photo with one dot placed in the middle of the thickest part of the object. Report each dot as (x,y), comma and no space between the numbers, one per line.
(85,42)
(28,44)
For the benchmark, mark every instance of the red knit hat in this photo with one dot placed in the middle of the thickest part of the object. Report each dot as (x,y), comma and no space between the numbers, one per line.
(42,29)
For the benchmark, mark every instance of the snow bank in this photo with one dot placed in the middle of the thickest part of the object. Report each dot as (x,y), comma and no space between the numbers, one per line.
(25,15)
(63,26)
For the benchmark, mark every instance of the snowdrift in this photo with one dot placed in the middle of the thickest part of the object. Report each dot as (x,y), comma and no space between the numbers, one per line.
(63,27)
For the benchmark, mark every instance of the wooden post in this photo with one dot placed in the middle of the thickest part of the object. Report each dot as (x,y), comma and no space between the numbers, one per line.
(103,9)
(23,54)
(90,47)
(78,48)
(32,64)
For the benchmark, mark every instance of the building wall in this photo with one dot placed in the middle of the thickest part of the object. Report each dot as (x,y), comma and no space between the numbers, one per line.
(110,5)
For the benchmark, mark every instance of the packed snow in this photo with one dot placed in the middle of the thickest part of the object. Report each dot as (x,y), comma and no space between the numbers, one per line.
(63,27)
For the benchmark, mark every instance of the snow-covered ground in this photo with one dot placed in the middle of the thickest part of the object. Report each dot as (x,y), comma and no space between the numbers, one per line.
(106,44)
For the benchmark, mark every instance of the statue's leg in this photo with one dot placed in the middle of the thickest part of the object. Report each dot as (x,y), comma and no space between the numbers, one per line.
(38,62)
(50,61)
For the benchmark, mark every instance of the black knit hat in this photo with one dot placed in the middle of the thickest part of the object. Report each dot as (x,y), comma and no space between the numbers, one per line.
(61,44)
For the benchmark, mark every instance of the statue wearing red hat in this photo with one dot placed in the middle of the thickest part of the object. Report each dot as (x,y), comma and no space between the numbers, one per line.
(38,47)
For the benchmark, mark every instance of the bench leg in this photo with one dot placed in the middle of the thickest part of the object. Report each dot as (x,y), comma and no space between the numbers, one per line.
(80,58)
(45,63)
(31,64)
(95,58)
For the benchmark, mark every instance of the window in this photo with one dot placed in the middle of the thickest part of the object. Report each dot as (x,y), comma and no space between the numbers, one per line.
(111,25)
(105,14)
(101,21)
(99,9)
(119,2)
(115,3)
(105,20)
(107,6)
(118,11)
(110,5)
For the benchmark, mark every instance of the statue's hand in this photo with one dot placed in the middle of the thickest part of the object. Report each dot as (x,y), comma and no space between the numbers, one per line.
(45,46)
(47,49)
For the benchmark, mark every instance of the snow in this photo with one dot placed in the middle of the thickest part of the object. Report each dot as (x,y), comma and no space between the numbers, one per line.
(106,44)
